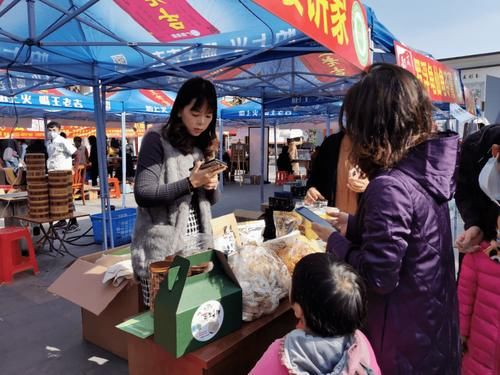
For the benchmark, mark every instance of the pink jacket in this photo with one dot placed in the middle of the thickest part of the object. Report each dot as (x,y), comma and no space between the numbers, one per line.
(479,299)
(271,362)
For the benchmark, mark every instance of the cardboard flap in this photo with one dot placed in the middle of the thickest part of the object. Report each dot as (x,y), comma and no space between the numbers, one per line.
(221,222)
(82,284)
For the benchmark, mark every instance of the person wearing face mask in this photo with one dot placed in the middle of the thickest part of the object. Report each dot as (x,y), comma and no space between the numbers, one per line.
(174,196)
(478,211)
(60,158)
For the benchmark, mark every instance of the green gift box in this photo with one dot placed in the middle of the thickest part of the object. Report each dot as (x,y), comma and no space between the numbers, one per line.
(194,310)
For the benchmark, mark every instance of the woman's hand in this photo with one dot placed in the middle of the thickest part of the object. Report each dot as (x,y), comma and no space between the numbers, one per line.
(205,177)
(355,182)
(468,241)
(322,231)
(312,196)
(339,220)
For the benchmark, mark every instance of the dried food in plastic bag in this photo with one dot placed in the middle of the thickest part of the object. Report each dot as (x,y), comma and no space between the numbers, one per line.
(286,222)
(263,278)
(251,232)
(292,248)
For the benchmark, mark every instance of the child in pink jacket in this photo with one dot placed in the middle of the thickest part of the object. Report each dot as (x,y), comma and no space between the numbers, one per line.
(479,301)
(328,298)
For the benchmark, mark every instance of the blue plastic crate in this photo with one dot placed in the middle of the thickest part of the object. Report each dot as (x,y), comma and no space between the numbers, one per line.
(123,225)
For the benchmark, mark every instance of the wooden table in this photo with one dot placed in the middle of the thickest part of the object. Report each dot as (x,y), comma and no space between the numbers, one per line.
(50,235)
(11,205)
(233,354)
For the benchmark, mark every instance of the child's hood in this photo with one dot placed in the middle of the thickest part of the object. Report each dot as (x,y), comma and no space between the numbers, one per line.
(303,353)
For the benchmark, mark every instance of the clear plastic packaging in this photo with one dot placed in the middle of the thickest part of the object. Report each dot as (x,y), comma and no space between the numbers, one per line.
(263,278)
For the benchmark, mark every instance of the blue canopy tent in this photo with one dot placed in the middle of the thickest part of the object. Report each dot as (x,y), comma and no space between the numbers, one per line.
(155,45)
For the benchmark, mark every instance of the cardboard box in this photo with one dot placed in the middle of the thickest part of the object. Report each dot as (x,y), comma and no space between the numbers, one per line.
(192,311)
(221,223)
(103,306)
(247,215)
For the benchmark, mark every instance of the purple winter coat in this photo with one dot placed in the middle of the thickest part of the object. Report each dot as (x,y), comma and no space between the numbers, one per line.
(400,242)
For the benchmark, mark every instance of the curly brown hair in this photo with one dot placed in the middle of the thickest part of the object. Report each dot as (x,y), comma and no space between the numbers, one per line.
(387,113)
(201,91)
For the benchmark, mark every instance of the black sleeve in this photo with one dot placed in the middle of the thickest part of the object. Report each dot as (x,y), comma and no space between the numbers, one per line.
(324,168)
(148,190)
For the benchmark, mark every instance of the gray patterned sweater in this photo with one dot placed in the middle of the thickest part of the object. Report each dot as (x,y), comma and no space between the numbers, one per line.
(163,197)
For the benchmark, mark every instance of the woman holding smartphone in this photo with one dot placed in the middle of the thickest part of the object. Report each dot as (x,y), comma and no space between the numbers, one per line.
(173,194)
(400,238)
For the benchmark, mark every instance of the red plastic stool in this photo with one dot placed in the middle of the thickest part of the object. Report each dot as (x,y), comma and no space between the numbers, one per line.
(281,177)
(10,260)
(114,187)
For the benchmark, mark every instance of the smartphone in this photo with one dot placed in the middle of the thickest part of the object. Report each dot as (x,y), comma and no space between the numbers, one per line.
(312,217)
(213,163)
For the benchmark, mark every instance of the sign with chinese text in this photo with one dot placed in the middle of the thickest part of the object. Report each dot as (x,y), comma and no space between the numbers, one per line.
(442,83)
(327,64)
(339,25)
(168,20)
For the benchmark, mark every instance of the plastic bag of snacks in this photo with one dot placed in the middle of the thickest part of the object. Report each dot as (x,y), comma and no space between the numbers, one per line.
(251,231)
(292,248)
(263,278)
(286,222)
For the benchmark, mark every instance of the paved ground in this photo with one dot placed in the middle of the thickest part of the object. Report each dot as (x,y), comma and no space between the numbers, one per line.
(33,321)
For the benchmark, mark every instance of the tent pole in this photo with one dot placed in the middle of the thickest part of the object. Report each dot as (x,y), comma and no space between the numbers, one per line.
(101,157)
(328,130)
(105,166)
(124,159)
(275,149)
(262,147)
(221,152)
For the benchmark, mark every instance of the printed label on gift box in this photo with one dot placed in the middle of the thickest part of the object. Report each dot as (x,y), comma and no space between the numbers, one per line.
(168,20)
(207,320)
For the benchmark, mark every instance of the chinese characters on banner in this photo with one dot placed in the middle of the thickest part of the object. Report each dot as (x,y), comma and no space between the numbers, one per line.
(442,83)
(327,64)
(71,131)
(168,20)
(339,25)
(157,96)
(44,101)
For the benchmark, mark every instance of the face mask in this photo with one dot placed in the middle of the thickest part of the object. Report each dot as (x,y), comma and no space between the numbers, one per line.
(489,180)
(51,134)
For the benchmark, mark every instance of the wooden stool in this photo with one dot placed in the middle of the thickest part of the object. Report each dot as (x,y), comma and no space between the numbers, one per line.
(11,261)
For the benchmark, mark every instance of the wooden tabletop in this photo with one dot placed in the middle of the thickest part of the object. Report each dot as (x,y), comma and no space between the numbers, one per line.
(228,345)
(235,353)
(74,215)
(9,197)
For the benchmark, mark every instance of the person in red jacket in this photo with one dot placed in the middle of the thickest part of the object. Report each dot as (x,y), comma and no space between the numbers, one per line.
(478,292)
(328,299)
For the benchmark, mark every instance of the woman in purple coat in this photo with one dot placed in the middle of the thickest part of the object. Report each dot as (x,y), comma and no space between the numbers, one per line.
(400,239)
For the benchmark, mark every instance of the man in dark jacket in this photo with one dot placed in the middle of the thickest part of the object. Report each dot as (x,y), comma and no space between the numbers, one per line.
(322,183)
(477,210)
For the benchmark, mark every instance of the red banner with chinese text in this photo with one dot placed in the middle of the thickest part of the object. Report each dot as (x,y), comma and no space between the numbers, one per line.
(339,25)
(158,96)
(71,131)
(328,64)
(442,83)
(168,20)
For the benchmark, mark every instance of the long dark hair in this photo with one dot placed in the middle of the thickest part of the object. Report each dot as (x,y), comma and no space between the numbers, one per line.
(331,294)
(202,91)
(388,112)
